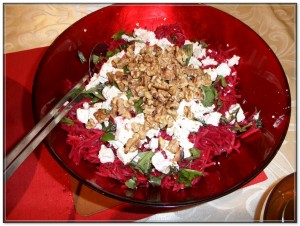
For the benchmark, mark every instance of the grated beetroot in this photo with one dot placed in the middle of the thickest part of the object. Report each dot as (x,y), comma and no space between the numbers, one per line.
(172,32)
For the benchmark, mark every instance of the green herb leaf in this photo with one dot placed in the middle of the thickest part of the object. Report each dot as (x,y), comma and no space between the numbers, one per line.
(81,56)
(185,176)
(139,41)
(96,91)
(116,85)
(131,183)
(144,163)
(125,69)
(195,152)
(77,91)
(210,94)
(108,137)
(219,104)
(201,120)
(241,129)
(96,59)
(111,53)
(129,94)
(203,44)
(188,49)
(118,35)
(224,120)
(138,106)
(233,115)
(111,127)
(155,181)
(223,81)
(67,121)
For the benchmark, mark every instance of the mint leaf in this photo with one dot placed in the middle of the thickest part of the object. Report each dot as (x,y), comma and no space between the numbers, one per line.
(144,164)
(111,127)
(195,152)
(96,59)
(185,176)
(188,49)
(241,129)
(203,44)
(138,106)
(108,137)
(155,181)
(129,94)
(111,53)
(125,69)
(131,183)
(67,121)
(210,94)
(77,91)
(96,92)
(118,35)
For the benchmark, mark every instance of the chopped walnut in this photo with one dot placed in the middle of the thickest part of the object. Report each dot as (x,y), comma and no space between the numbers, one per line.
(161,142)
(162,79)
(90,124)
(173,146)
(188,113)
(101,115)
(121,107)
(133,143)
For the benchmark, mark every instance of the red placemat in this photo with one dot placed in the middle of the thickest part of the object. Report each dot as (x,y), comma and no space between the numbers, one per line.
(40,190)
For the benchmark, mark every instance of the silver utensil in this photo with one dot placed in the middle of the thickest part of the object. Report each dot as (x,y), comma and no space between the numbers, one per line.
(28,144)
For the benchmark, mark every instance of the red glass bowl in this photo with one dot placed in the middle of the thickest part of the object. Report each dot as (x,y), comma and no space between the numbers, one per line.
(263,85)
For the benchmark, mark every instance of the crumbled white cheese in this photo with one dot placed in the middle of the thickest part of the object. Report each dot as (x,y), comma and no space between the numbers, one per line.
(152,133)
(212,118)
(82,115)
(106,123)
(188,124)
(197,108)
(123,131)
(116,144)
(109,92)
(144,35)
(194,62)
(161,163)
(101,77)
(106,154)
(98,126)
(198,51)
(122,134)
(128,38)
(147,37)
(223,69)
(153,144)
(138,46)
(239,115)
(86,105)
(125,157)
(163,43)
(233,61)
(180,130)
(212,72)
(209,61)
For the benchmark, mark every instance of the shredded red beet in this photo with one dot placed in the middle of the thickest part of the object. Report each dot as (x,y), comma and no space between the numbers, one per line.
(85,143)
(172,32)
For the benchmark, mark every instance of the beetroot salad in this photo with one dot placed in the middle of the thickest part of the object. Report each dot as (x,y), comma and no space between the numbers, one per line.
(158,110)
